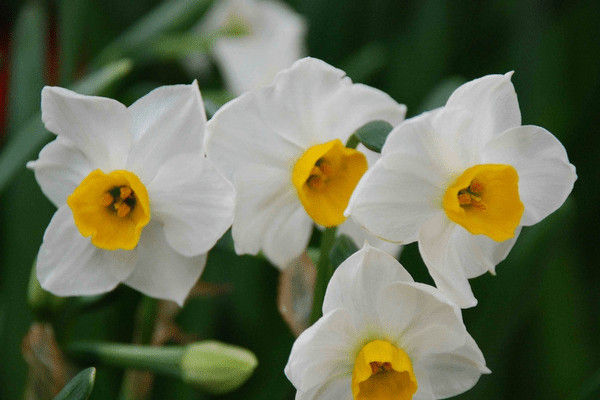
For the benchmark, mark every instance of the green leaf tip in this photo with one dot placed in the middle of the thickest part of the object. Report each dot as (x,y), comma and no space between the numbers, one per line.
(80,387)
(373,134)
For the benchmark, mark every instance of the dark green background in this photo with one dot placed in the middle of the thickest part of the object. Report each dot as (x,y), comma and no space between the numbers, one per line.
(537,321)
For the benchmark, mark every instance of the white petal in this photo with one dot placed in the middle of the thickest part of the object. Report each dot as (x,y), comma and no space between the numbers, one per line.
(434,137)
(239,135)
(478,253)
(193,201)
(356,283)
(424,390)
(166,122)
(268,215)
(493,103)
(360,235)
(275,41)
(69,264)
(323,351)
(420,319)
(453,255)
(454,372)
(395,197)
(59,169)
(352,106)
(339,388)
(97,126)
(438,250)
(545,175)
(162,272)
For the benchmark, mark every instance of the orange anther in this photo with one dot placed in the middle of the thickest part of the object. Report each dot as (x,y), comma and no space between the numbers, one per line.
(476,187)
(125,192)
(375,367)
(326,168)
(123,210)
(464,199)
(316,182)
(107,199)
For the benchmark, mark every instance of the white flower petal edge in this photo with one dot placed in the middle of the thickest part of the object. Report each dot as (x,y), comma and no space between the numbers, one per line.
(492,101)
(275,39)
(545,175)
(411,316)
(161,271)
(265,132)
(357,233)
(195,218)
(268,216)
(59,169)
(167,122)
(69,265)
(97,126)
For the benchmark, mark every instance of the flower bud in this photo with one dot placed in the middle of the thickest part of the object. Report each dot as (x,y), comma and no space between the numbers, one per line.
(217,367)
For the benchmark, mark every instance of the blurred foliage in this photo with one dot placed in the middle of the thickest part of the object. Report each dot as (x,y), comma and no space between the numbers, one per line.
(536,322)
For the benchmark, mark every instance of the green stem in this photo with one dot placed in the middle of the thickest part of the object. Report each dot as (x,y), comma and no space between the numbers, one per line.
(165,359)
(324,272)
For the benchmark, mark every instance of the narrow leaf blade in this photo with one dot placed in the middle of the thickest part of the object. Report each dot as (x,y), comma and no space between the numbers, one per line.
(80,387)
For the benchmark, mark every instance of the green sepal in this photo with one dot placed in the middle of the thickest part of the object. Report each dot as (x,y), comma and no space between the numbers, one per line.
(343,247)
(373,134)
(80,387)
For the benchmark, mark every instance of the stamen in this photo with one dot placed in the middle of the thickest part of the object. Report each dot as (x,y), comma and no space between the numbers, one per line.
(471,196)
(123,210)
(316,182)
(476,187)
(120,199)
(319,175)
(107,199)
(326,168)
(125,192)
(464,198)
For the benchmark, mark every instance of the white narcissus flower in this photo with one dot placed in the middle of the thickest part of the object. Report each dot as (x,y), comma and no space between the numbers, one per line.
(383,336)
(462,180)
(283,148)
(137,202)
(255,40)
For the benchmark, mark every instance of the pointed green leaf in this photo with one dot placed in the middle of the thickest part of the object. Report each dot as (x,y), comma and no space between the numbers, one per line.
(27,64)
(72,16)
(343,247)
(373,134)
(166,17)
(27,141)
(80,387)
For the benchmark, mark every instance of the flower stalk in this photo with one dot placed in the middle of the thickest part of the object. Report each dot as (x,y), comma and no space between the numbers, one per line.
(325,271)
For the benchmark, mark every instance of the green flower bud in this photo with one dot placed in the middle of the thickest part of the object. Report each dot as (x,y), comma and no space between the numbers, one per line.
(217,367)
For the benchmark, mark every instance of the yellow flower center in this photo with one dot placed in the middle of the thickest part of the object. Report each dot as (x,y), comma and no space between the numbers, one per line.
(325,177)
(485,200)
(112,209)
(383,371)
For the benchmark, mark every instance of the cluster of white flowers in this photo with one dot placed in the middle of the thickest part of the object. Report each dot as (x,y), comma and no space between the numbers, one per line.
(144,192)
